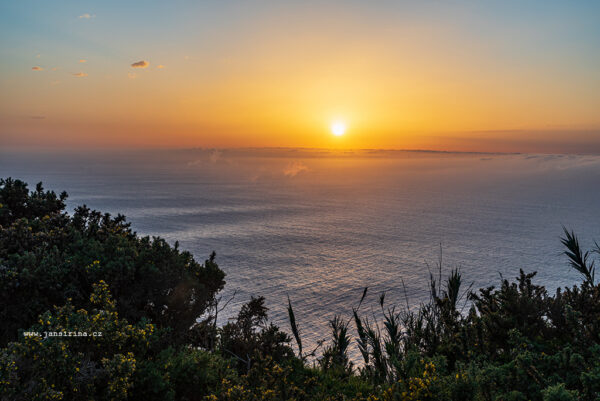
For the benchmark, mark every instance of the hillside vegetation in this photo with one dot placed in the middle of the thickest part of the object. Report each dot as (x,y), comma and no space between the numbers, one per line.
(134,318)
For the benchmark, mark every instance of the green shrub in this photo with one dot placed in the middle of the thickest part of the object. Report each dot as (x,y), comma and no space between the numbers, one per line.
(558,392)
(47,257)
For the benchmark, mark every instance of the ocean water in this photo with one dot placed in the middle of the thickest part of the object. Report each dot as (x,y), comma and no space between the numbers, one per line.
(319,226)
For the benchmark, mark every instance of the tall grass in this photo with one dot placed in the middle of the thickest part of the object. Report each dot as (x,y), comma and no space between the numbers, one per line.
(442,327)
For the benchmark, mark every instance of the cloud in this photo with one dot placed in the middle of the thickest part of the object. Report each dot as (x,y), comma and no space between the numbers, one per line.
(54,68)
(140,64)
(87,16)
(37,68)
(38,55)
(80,74)
(160,66)
(83,61)
(215,155)
(131,75)
(295,168)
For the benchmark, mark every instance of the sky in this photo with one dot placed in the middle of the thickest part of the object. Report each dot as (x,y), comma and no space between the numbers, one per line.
(493,76)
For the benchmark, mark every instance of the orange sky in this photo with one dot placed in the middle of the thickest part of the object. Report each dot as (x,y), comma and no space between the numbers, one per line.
(465,77)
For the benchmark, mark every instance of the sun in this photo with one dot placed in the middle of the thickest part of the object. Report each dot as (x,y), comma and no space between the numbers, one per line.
(338,128)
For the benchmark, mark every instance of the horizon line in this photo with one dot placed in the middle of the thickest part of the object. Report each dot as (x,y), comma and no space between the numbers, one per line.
(56,150)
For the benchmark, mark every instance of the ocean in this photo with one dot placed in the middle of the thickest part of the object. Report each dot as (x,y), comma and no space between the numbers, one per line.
(319,226)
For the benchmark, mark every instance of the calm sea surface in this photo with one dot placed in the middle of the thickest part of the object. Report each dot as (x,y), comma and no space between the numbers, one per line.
(320,226)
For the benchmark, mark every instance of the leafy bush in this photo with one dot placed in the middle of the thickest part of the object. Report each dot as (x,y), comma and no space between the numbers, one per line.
(47,257)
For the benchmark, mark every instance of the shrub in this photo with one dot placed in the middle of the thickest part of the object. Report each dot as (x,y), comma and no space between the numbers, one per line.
(48,256)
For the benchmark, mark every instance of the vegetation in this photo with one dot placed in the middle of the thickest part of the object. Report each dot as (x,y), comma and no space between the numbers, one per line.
(133,318)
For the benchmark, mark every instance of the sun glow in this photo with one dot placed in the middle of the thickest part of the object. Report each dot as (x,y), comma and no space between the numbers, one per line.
(338,128)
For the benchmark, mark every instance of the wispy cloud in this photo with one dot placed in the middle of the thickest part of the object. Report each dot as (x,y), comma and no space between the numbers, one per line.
(80,74)
(140,64)
(87,16)
(215,155)
(160,66)
(83,61)
(37,68)
(294,168)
